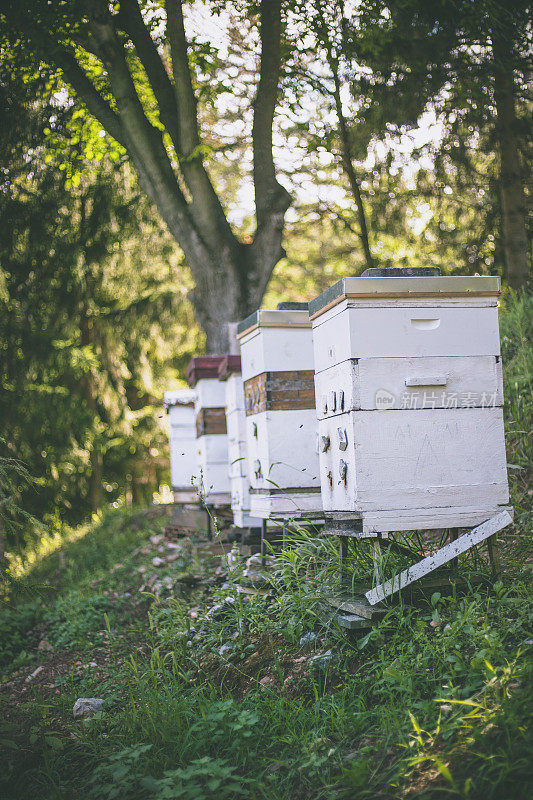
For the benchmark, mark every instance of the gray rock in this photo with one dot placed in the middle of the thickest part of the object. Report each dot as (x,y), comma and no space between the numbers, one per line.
(307,639)
(219,609)
(225,648)
(322,660)
(85,707)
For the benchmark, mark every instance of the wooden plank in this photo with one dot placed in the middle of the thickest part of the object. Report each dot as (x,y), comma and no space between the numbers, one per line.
(211,421)
(348,621)
(471,381)
(406,333)
(283,390)
(353,622)
(427,519)
(442,556)
(354,604)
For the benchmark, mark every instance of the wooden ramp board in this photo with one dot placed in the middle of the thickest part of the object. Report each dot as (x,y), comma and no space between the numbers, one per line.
(442,556)
(355,604)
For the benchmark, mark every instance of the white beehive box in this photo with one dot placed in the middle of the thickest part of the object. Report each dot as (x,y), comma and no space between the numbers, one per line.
(211,437)
(182,439)
(409,401)
(281,427)
(230,373)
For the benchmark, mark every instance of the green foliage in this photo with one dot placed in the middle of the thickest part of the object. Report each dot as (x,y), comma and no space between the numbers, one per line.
(14,480)
(91,334)
(433,699)
(77,618)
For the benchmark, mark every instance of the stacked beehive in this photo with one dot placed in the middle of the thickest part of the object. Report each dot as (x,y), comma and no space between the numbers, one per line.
(212,476)
(182,439)
(277,370)
(409,401)
(229,372)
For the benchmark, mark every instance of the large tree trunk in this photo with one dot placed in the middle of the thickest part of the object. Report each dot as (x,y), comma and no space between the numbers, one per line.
(228,287)
(218,298)
(511,178)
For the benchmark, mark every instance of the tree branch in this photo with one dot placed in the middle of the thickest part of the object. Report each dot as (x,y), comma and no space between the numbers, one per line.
(130,18)
(269,194)
(181,71)
(271,198)
(205,207)
(346,152)
(84,88)
(145,145)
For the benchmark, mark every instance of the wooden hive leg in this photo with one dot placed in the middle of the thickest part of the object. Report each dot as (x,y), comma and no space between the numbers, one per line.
(343,553)
(375,546)
(442,556)
(492,546)
(263,541)
(454,533)
(285,534)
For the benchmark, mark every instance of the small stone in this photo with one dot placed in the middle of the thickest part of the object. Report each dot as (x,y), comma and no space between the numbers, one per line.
(225,648)
(219,608)
(34,674)
(351,756)
(157,561)
(322,659)
(86,707)
(434,623)
(173,557)
(266,681)
(528,641)
(44,644)
(307,639)
(156,538)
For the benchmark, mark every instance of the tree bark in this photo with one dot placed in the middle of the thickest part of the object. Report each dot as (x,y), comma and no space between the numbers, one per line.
(511,175)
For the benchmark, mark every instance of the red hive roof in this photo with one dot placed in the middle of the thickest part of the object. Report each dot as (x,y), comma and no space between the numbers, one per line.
(203,367)
(228,365)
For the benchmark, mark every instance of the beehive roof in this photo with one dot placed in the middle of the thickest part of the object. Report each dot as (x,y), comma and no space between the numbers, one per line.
(416,286)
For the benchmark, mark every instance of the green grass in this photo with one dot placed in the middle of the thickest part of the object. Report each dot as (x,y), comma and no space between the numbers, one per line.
(435,701)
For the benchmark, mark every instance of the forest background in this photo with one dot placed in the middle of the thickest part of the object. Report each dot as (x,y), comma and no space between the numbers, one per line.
(358,134)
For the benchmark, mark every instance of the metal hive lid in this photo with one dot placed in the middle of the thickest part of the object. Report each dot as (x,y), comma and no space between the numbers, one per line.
(416,286)
(273,319)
